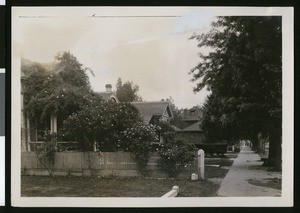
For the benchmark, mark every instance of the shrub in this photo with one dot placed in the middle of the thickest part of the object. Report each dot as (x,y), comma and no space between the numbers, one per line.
(137,140)
(46,151)
(101,122)
(175,155)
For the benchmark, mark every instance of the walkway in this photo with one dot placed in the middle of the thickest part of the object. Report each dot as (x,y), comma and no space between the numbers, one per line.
(247,168)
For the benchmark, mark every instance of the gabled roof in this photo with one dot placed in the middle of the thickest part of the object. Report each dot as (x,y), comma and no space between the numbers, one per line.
(175,128)
(106,96)
(149,109)
(193,128)
(188,116)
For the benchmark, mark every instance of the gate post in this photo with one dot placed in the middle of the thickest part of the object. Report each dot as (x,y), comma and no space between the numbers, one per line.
(201,163)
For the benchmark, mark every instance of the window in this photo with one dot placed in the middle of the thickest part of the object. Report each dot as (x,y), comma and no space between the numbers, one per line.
(192,112)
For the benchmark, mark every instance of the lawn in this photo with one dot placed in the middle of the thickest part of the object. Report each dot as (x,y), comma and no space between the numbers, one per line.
(71,186)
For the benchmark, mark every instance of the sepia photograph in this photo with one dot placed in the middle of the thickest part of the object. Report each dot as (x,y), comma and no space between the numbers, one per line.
(152,106)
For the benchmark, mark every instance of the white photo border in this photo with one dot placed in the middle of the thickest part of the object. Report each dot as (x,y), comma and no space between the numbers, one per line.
(286,200)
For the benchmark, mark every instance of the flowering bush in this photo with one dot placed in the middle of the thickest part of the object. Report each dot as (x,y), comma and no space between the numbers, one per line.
(137,140)
(175,155)
(113,126)
(101,123)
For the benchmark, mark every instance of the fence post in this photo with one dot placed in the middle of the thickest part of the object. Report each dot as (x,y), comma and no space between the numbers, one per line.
(201,163)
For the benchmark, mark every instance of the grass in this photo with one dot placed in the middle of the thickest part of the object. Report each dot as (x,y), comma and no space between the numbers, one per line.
(37,186)
(71,186)
(218,161)
(217,172)
(275,183)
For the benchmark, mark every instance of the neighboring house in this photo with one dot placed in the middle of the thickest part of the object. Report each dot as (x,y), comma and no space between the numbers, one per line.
(150,111)
(108,95)
(191,131)
(191,134)
(191,116)
(154,111)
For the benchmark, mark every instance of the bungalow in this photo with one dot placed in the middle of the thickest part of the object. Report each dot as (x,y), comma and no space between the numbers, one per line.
(191,116)
(154,111)
(192,134)
(191,131)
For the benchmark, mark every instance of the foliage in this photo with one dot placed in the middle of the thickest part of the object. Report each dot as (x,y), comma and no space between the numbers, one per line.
(112,126)
(101,123)
(217,125)
(127,92)
(175,154)
(213,148)
(61,87)
(243,70)
(164,130)
(137,139)
(46,151)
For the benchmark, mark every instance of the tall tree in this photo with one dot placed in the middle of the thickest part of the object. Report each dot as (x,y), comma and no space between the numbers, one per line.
(61,87)
(243,70)
(127,92)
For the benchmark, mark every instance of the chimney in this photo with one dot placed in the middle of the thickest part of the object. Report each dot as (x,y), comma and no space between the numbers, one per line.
(108,87)
(185,113)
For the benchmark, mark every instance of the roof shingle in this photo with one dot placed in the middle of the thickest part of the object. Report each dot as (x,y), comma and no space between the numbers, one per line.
(149,109)
(193,128)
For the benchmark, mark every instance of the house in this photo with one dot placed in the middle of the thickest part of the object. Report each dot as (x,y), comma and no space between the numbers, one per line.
(108,95)
(191,131)
(194,134)
(191,116)
(154,111)
(191,134)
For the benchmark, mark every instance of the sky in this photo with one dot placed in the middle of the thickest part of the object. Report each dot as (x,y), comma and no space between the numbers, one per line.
(148,46)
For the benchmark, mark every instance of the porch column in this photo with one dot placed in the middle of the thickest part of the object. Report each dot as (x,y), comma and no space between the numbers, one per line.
(53,123)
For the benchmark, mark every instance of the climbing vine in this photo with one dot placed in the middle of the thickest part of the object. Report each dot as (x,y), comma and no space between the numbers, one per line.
(45,152)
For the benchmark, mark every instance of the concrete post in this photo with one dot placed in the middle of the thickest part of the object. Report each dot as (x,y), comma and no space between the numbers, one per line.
(94,146)
(173,193)
(201,163)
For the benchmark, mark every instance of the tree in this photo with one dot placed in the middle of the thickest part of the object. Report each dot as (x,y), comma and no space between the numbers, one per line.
(54,90)
(243,70)
(60,88)
(127,92)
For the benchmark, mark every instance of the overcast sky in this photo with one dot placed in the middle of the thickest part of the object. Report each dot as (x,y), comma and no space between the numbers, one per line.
(148,46)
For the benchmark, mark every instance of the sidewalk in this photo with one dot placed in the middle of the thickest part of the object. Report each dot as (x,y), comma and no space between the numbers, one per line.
(247,168)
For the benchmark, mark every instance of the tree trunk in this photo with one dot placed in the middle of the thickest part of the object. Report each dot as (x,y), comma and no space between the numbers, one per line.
(275,153)
(255,144)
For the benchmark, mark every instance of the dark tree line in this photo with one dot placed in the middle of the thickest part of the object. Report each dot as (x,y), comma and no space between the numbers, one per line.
(243,71)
